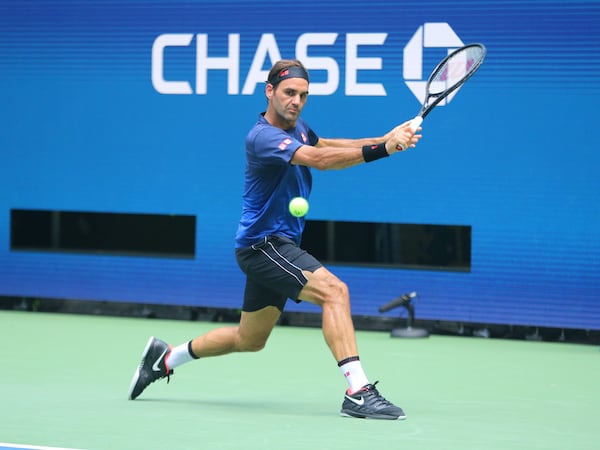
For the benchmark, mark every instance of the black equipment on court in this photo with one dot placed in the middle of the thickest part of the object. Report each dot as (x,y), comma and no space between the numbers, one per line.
(405,300)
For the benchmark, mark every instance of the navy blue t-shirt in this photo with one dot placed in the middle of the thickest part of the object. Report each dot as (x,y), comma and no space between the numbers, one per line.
(271,181)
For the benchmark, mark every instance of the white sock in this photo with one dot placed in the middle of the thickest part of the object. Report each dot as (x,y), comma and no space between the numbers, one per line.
(355,375)
(180,355)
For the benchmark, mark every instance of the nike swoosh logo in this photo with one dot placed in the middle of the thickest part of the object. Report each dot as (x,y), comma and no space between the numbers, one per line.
(356,401)
(155,365)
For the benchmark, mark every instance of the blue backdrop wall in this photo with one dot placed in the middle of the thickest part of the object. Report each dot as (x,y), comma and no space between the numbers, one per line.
(142,107)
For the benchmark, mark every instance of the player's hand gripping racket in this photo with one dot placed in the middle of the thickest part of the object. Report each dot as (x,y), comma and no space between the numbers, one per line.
(449,75)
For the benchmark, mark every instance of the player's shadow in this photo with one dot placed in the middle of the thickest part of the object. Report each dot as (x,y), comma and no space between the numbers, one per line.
(249,405)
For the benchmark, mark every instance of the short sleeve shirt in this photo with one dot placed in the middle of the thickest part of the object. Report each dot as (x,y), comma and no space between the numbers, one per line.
(271,181)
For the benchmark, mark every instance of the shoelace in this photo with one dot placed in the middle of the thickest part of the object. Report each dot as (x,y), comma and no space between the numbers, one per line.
(377,396)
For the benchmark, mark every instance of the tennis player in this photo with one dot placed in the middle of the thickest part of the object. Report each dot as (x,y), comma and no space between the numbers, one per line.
(281,150)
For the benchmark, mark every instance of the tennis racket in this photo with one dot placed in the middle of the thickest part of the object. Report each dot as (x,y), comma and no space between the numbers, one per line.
(449,75)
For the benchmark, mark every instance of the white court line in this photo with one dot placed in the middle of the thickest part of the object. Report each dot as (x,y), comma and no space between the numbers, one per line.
(4,445)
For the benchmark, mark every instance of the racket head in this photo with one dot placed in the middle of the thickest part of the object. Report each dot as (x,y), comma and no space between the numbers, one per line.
(456,68)
(452,72)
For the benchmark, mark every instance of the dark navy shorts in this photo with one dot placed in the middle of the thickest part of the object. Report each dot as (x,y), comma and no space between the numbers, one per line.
(273,269)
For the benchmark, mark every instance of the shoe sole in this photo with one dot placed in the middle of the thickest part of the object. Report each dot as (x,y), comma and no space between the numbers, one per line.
(373,417)
(136,374)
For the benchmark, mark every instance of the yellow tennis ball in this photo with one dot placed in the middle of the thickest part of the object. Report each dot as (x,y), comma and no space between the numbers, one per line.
(298,206)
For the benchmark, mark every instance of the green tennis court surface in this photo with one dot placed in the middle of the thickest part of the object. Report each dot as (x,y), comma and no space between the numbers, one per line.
(6,446)
(65,378)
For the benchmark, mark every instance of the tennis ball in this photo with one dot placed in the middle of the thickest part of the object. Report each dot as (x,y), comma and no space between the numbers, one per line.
(298,206)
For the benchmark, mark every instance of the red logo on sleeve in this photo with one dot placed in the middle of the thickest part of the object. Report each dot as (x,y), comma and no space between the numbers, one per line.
(284,144)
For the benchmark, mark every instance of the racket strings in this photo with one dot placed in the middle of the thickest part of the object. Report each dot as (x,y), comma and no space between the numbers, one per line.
(456,69)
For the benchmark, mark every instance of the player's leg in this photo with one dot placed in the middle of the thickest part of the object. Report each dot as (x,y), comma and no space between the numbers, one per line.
(260,312)
(362,399)
(159,358)
(330,293)
(249,336)
(327,291)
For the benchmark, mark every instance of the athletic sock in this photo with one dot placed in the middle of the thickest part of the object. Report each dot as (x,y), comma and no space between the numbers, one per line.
(180,355)
(355,376)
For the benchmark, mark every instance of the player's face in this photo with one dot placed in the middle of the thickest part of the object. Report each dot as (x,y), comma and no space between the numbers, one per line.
(287,100)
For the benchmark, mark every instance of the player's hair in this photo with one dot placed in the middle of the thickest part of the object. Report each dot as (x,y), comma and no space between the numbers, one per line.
(278,72)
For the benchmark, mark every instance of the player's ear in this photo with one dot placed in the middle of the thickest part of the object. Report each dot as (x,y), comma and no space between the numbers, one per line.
(269,89)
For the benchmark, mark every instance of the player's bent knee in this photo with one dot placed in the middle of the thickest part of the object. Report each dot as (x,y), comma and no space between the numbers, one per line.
(338,293)
(251,346)
(324,288)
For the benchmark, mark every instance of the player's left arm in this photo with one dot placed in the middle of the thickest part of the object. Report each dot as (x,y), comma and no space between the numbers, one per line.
(329,154)
(402,129)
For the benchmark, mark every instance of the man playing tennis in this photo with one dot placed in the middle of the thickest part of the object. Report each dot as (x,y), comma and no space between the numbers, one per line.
(281,150)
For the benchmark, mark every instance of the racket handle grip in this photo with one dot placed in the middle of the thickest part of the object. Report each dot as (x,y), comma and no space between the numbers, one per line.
(416,123)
